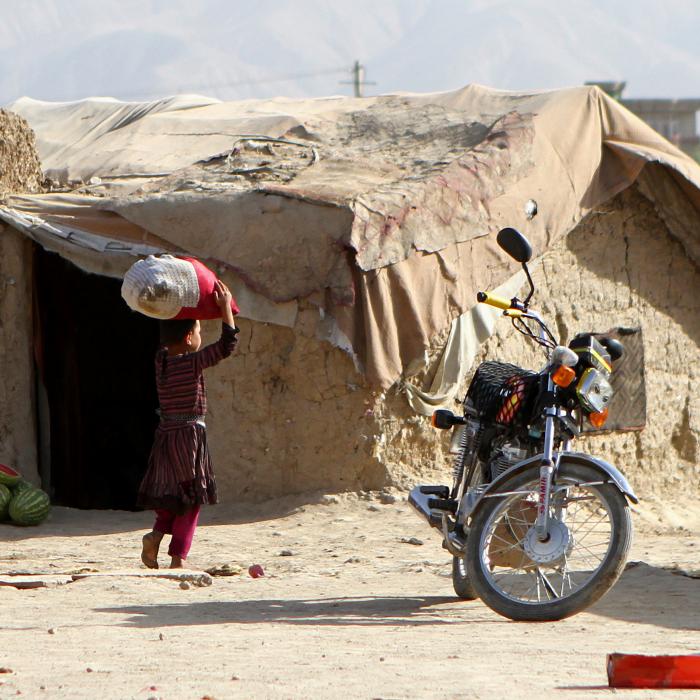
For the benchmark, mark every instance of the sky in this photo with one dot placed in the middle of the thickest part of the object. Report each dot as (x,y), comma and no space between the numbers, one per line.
(230,49)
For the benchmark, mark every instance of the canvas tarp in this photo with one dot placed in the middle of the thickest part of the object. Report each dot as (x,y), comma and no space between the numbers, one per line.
(378,210)
(467,332)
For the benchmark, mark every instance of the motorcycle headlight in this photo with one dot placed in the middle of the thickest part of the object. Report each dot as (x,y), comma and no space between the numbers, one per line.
(594,391)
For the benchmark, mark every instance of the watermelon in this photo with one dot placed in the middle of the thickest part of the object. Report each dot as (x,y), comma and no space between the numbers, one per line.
(20,486)
(8,475)
(29,507)
(5,498)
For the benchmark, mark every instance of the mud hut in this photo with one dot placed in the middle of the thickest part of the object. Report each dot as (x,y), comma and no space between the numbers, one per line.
(355,234)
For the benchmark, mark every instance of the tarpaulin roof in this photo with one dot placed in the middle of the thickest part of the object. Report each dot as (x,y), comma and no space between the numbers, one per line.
(378,209)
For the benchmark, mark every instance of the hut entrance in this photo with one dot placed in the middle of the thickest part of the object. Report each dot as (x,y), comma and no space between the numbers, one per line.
(96,395)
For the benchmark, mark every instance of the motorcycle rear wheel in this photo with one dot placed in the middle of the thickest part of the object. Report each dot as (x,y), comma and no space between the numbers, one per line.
(460,580)
(523,579)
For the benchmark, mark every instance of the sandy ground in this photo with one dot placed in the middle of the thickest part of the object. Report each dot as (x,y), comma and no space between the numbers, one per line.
(354,611)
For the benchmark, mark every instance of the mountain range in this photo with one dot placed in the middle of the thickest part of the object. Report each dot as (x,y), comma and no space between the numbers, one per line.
(229,49)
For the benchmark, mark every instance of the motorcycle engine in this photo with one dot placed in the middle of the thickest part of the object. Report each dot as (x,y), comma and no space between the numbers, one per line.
(505,452)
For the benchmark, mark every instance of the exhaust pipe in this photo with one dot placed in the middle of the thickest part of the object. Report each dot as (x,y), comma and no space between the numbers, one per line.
(422,498)
(433,503)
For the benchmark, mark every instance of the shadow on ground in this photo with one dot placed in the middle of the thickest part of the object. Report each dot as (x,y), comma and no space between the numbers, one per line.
(644,595)
(651,595)
(371,610)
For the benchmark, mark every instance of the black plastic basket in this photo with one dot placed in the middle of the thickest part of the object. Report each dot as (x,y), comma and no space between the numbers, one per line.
(499,391)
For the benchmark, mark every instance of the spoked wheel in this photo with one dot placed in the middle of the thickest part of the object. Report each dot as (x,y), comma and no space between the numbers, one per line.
(460,580)
(523,578)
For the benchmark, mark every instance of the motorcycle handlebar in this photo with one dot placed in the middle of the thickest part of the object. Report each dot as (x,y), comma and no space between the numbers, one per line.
(493,300)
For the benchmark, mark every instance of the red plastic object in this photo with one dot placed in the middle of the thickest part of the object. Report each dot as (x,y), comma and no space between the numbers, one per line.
(256,571)
(511,406)
(642,671)
(207,308)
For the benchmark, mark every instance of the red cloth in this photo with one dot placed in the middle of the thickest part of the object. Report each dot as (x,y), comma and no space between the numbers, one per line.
(207,308)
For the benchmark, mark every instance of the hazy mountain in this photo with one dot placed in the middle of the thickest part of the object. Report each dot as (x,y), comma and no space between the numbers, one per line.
(137,49)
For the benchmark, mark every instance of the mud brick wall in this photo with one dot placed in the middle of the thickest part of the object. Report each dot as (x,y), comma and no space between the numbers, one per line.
(621,267)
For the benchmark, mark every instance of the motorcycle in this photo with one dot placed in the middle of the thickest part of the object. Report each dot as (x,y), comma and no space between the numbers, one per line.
(536,531)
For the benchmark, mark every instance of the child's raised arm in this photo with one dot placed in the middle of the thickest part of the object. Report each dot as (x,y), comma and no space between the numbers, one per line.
(214,353)
(223,299)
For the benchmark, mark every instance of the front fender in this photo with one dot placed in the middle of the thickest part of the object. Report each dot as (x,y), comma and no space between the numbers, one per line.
(469,503)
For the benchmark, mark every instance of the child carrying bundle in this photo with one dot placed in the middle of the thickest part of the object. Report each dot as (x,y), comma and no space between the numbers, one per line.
(180,477)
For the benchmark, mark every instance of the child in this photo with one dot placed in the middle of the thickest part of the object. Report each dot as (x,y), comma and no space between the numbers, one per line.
(180,477)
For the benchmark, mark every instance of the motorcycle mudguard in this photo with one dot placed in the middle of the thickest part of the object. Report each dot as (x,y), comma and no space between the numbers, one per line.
(468,505)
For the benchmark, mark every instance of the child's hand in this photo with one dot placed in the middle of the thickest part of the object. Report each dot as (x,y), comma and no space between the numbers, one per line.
(223,299)
(222,294)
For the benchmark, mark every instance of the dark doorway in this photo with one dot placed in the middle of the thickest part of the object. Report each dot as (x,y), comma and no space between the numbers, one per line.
(95,359)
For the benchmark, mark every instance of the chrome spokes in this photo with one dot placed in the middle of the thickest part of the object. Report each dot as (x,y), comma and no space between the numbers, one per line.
(526,570)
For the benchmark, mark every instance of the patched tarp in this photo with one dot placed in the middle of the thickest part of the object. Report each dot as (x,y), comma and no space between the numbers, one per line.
(379,210)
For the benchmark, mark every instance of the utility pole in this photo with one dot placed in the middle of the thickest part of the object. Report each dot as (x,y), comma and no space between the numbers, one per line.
(358,79)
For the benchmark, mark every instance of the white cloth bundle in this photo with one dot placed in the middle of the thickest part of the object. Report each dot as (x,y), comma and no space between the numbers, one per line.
(160,287)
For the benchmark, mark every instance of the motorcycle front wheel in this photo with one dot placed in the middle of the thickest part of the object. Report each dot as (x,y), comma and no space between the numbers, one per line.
(460,580)
(522,578)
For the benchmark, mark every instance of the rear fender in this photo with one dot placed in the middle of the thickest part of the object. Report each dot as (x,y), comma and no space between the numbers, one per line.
(469,504)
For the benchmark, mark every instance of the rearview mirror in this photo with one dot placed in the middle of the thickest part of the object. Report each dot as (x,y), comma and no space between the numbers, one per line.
(515,244)
(613,346)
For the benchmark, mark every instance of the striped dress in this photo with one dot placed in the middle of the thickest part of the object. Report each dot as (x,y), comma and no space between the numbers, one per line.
(180,473)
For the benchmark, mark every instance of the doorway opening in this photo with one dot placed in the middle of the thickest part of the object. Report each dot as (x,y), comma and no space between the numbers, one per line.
(96,381)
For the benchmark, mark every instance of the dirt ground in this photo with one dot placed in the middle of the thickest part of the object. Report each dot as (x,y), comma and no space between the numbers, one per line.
(352,608)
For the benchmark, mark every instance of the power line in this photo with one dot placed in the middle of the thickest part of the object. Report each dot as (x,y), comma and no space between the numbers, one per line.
(357,71)
(259,81)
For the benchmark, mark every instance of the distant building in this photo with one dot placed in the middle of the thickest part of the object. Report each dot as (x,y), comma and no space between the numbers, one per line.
(673,119)
(612,88)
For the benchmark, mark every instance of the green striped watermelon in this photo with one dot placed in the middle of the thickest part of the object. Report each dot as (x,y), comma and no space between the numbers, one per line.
(29,507)
(5,498)
(20,486)
(8,475)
